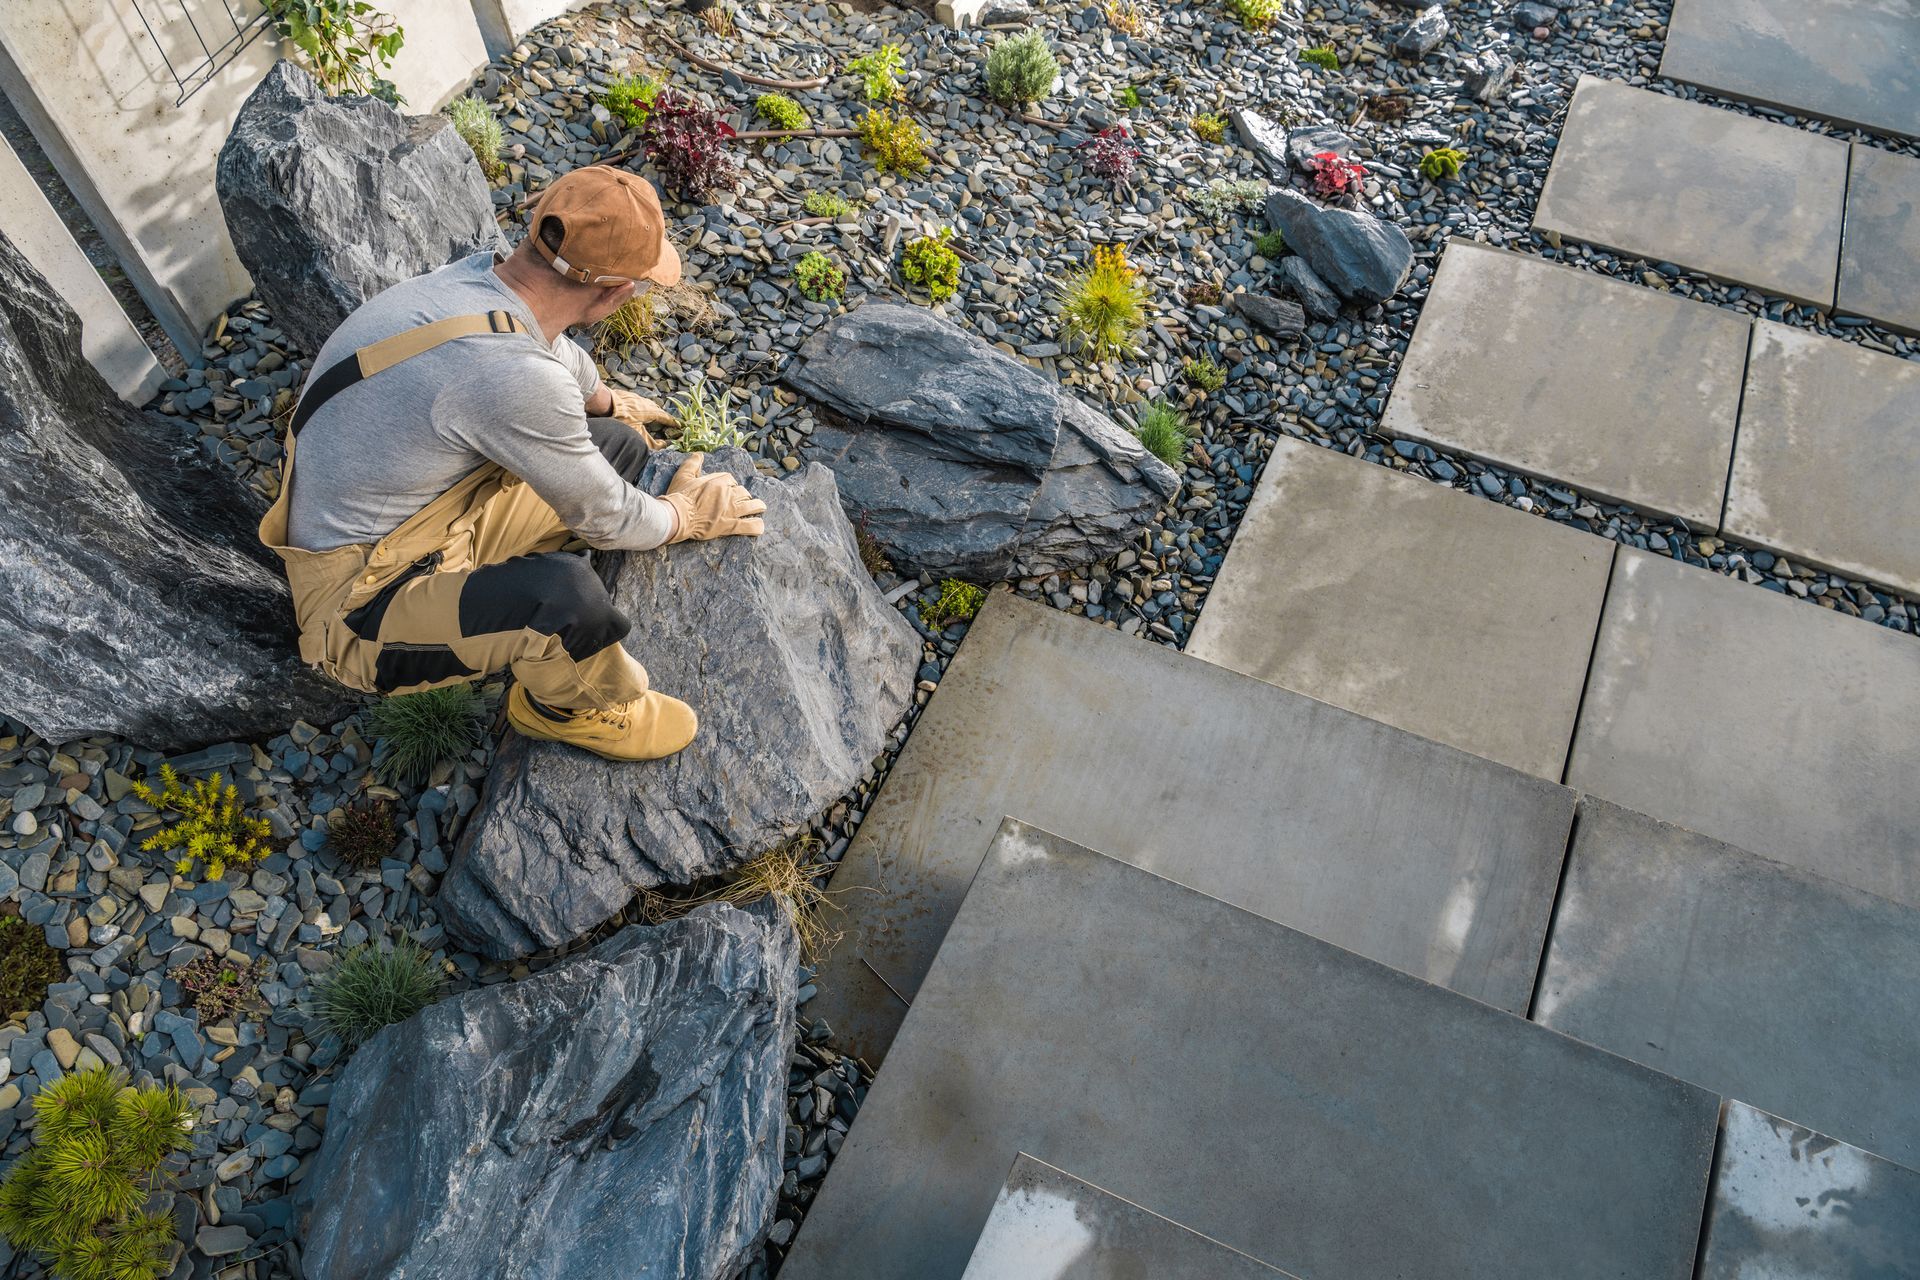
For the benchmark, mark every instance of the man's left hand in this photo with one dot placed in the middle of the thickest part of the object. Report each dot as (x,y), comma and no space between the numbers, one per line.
(640,413)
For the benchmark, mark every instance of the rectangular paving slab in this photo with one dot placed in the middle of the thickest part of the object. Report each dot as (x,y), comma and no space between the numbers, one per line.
(1769,723)
(1753,979)
(1880,255)
(1850,61)
(1675,181)
(1323,1113)
(1431,610)
(1626,393)
(1049,1225)
(1413,853)
(1828,459)
(1788,1203)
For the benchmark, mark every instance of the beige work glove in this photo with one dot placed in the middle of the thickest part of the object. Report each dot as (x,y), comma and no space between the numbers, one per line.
(715,506)
(640,413)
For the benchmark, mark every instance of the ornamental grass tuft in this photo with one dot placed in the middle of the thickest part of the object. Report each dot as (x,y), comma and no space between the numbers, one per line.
(1021,69)
(477,126)
(371,987)
(1103,307)
(214,831)
(1165,431)
(791,873)
(414,732)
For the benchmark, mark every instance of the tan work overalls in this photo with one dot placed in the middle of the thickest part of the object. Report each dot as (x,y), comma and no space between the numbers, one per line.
(406,588)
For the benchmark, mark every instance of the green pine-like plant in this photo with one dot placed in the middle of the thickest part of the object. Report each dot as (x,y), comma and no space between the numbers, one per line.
(414,732)
(480,129)
(1021,69)
(371,987)
(80,1196)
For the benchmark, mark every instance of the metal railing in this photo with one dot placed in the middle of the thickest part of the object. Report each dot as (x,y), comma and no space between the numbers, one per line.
(234,30)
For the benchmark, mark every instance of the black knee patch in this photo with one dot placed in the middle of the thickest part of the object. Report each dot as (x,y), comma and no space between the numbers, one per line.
(621,445)
(556,594)
(398,665)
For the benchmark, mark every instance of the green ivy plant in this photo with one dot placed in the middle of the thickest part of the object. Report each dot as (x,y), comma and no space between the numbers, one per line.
(347,44)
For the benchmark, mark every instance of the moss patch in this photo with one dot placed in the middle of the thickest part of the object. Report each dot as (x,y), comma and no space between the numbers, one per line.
(28,966)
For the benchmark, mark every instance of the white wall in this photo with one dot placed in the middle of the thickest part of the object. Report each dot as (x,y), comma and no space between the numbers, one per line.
(506,21)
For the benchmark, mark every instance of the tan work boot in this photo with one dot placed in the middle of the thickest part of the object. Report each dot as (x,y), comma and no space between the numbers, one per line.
(648,728)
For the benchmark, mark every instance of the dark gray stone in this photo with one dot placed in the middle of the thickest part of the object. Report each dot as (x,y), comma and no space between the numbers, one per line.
(798,670)
(1530,14)
(1001,13)
(1485,75)
(1304,144)
(135,597)
(1412,4)
(962,462)
(1264,138)
(1297,278)
(331,200)
(1358,256)
(1421,36)
(1284,320)
(610,1116)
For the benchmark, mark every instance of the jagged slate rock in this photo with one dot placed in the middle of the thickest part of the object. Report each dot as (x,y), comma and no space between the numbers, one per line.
(1425,135)
(1000,13)
(1297,278)
(1421,36)
(331,200)
(619,1114)
(1412,4)
(135,598)
(1486,75)
(1264,138)
(950,454)
(1304,144)
(1360,257)
(798,670)
(1277,316)
(1529,15)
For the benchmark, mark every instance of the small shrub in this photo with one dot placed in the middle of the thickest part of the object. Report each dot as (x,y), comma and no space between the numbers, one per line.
(1165,432)
(1202,293)
(1442,163)
(215,831)
(1202,372)
(880,70)
(1209,128)
(1104,307)
(896,141)
(1021,69)
(780,111)
(825,204)
(1130,98)
(706,422)
(1270,245)
(414,732)
(1229,195)
(345,43)
(958,602)
(1124,16)
(28,966)
(372,987)
(1256,15)
(818,278)
(1323,57)
(687,143)
(929,263)
(360,835)
(99,1154)
(634,321)
(1335,177)
(1111,154)
(630,98)
(221,989)
(477,126)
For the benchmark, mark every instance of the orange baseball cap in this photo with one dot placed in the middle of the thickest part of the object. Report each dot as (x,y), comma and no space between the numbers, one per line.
(611,226)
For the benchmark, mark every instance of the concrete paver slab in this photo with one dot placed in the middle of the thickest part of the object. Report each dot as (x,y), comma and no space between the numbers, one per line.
(1436,612)
(1623,392)
(1788,1203)
(1770,724)
(1715,191)
(1325,1114)
(1880,255)
(1853,62)
(1828,460)
(1049,1225)
(1412,853)
(1753,979)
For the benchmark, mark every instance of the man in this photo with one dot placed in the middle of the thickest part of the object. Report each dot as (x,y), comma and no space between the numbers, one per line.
(452,439)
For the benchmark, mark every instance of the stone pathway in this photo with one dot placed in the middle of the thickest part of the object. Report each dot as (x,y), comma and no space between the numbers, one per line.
(1880,254)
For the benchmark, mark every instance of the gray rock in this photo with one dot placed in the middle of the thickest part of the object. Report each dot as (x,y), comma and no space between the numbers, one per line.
(331,200)
(962,462)
(1297,278)
(1486,75)
(135,598)
(1360,257)
(798,670)
(217,1242)
(1412,4)
(1278,317)
(1000,13)
(1304,144)
(1530,14)
(1421,36)
(620,1114)
(1264,138)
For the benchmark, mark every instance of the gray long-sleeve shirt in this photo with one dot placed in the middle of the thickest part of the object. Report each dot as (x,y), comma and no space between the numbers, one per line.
(385,447)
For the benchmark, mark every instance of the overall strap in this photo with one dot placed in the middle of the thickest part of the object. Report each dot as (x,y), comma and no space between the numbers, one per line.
(388,352)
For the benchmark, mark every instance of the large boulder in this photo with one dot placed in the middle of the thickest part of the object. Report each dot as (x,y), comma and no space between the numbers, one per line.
(621,1114)
(799,671)
(1357,255)
(962,462)
(331,200)
(134,597)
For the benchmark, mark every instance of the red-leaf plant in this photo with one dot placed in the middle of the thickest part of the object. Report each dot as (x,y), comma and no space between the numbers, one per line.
(1336,178)
(1111,154)
(687,143)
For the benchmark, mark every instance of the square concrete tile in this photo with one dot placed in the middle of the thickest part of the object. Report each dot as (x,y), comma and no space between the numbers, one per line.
(1788,1203)
(1049,1225)
(1661,178)
(1769,723)
(1828,458)
(1745,976)
(1850,61)
(1421,607)
(1325,1114)
(1880,256)
(1406,851)
(1626,393)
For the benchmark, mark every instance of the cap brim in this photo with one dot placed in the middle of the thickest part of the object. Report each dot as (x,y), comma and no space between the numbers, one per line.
(667,269)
